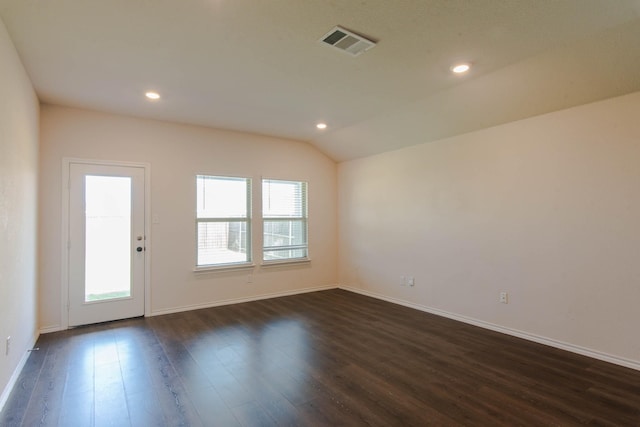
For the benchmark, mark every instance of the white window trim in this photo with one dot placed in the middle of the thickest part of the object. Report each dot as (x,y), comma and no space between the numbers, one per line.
(224,267)
(274,263)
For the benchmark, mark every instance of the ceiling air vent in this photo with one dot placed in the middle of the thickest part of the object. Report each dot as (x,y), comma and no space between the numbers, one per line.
(346,41)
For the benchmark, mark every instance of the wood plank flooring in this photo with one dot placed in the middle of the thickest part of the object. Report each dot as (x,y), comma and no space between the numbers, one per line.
(326,358)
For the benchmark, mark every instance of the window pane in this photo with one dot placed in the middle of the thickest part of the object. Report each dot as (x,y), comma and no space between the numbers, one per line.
(284,233)
(222,242)
(223,207)
(221,197)
(282,254)
(107,237)
(283,199)
(284,210)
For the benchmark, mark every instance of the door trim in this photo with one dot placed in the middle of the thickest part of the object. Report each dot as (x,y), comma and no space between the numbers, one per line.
(64,235)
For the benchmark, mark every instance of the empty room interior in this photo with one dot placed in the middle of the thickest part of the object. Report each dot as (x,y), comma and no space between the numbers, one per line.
(310,212)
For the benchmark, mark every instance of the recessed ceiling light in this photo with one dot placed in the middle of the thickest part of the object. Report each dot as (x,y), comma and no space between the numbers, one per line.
(152,95)
(321,125)
(460,68)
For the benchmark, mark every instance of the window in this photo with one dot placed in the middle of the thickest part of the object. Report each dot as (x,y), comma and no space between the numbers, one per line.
(284,212)
(223,220)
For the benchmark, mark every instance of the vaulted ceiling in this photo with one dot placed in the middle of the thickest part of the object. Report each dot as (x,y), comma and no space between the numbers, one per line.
(257,66)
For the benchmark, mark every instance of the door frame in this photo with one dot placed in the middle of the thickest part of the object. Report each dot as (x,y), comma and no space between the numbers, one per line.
(65,241)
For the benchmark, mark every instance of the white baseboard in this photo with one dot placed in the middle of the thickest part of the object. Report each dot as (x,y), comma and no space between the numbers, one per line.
(57,328)
(50,329)
(633,364)
(240,300)
(16,373)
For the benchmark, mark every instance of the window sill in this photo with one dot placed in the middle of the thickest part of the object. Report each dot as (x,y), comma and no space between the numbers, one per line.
(285,262)
(223,268)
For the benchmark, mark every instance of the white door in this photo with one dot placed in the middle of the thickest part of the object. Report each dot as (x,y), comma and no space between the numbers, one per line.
(106,242)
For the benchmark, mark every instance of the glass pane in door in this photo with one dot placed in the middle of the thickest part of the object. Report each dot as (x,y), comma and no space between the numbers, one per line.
(107,237)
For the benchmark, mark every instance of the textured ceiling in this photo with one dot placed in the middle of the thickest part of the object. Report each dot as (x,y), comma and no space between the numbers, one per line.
(257,66)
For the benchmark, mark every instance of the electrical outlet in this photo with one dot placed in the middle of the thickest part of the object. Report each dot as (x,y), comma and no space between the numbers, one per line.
(403,281)
(504,297)
(411,281)
(250,278)
(8,346)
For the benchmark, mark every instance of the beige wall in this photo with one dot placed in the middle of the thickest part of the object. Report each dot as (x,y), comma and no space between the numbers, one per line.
(176,154)
(547,209)
(18,209)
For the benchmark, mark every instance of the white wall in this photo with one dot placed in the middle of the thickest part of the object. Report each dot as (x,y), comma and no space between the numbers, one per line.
(18,210)
(176,154)
(547,209)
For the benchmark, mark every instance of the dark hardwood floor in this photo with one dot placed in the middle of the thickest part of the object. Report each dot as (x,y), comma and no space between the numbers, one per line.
(325,358)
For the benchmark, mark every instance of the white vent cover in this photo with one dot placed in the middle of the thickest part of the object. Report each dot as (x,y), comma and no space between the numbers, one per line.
(346,41)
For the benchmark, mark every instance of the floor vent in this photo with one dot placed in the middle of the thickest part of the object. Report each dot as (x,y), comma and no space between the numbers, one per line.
(346,41)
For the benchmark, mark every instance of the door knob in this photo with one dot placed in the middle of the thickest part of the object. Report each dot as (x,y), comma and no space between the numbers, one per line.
(139,249)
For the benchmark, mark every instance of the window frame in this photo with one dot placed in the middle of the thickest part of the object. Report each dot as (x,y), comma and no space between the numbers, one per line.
(304,219)
(247,220)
